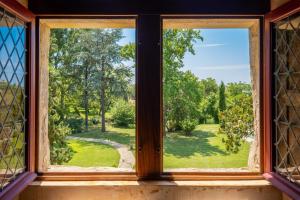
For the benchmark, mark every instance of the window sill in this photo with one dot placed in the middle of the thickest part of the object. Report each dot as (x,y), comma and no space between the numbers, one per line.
(232,183)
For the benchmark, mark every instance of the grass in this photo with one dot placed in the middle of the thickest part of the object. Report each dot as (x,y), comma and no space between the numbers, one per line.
(91,154)
(121,135)
(204,149)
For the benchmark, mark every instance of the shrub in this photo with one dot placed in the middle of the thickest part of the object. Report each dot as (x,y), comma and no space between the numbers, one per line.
(237,122)
(95,121)
(60,152)
(75,124)
(188,125)
(123,113)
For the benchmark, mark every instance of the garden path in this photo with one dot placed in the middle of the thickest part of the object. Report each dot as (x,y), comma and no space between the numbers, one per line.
(127,159)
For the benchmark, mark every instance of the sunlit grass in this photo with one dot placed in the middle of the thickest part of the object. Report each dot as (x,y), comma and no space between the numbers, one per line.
(204,149)
(92,154)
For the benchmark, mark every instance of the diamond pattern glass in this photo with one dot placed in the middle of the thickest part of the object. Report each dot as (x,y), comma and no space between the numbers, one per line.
(287,97)
(12,97)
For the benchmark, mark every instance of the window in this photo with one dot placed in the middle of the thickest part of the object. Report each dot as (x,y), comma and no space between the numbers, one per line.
(70,109)
(211,95)
(90,107)
(13,99)
(286,92)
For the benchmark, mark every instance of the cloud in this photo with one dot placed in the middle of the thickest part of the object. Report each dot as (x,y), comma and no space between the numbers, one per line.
(212,45)
(224,67)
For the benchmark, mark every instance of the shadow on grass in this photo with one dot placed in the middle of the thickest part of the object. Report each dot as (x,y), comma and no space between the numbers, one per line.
(117,136)
(179,145)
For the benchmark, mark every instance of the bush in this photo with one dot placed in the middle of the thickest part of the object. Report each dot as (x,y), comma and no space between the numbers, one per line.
(95,121)
(188,125)
(60,152)
(123,114)
(237,122)
(75,124)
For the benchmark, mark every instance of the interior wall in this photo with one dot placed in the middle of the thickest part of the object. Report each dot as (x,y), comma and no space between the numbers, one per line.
(23,2)
(276,3)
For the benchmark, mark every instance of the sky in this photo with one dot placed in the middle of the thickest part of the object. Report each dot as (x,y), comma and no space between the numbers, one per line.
(222,55)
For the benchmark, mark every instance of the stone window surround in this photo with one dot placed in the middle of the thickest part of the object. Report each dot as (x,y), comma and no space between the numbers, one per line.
(44,29)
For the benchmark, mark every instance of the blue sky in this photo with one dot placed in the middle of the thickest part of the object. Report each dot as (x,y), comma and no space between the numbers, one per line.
(223,54)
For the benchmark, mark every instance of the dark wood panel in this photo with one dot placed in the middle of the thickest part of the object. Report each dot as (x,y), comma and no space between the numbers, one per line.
(149,7)
(17,9)
(148,96)
(283,11)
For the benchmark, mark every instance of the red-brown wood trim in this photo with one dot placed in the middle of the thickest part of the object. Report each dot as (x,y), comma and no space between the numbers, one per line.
(283,185)
(13,189)
(31,130)
(283,11)
(267,99)
(18,9)
(149,120)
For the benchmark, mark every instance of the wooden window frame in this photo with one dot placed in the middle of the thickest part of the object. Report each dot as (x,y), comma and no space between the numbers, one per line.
(278,181)
(15,187)
(149,113)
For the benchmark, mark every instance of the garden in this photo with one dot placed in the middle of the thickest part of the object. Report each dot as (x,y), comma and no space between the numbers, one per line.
(92,104)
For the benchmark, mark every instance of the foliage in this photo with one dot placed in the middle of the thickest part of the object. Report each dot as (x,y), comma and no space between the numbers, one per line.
(75,124)
(87,73)
(188,126)
(222,102)
(209,105)
(238,122)
(123,113)
(181,91)
(60,152)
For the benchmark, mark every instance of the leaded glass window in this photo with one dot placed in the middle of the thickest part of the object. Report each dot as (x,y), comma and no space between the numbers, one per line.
(12,97)
(287,97)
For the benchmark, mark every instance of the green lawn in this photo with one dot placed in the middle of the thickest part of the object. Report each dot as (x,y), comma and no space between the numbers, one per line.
(91,154)
(204,149)
(120,135)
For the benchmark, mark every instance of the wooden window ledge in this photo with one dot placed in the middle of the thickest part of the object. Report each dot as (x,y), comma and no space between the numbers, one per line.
(226,183)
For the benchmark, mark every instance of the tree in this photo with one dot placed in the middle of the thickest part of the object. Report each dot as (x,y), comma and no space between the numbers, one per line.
(222,102)
(60,152)
(209,105)
(238,117)
(181,91)
(110,76)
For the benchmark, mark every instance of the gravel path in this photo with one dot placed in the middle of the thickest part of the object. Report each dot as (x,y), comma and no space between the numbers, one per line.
(127,159)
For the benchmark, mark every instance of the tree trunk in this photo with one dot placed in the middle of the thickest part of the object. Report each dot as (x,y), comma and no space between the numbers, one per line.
(102,101)
(102,97)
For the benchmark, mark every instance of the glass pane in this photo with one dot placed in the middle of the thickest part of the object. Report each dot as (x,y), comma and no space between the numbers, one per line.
(286,95)
(91,110)
(209,104)
(12,97)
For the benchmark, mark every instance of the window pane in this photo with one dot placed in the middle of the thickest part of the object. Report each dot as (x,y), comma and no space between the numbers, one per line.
(210,97)
(286,94)
(12,97)
(91,112)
